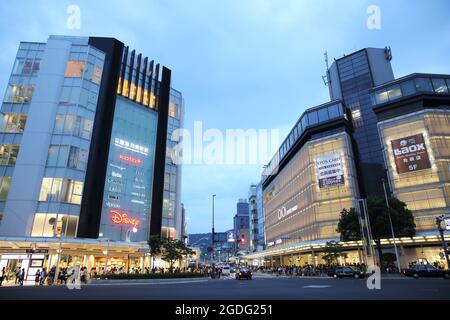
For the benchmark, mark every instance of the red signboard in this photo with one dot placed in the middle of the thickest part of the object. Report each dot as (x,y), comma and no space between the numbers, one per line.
(130,160)
(122,218)
(410,154)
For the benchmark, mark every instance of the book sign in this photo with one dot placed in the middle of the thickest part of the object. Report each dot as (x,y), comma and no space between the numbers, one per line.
(410,154)
(330,171)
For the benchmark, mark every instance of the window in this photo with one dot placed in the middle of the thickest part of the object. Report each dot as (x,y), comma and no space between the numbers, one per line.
(19,93)
(61,190)
(440,86)
(78,158)
(312,118)
(54,225)
(26,66)
(13,122)
(408,88)
(333,111)
(381,97)
(8,154)
(74,69)
(5,183)
(323,115)
(394,93)
(57,156)
(423,85)
(73,125)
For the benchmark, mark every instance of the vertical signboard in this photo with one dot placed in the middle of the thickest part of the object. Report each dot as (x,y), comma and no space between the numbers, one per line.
(330,171)
(411,154)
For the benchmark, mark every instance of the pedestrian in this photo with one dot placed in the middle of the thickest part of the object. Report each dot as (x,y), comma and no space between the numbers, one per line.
(2,276)
(16,281)
(43,276)
(37,277)
(21,277)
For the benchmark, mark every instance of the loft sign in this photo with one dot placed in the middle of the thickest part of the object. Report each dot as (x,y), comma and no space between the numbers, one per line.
(283,212)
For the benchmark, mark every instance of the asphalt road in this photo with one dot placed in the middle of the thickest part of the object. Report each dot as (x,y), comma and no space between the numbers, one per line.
(261,288)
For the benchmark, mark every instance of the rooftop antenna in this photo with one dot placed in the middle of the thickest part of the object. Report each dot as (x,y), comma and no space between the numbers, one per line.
(326,78)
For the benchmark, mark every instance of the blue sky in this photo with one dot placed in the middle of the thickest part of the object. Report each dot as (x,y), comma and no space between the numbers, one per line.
(241,63)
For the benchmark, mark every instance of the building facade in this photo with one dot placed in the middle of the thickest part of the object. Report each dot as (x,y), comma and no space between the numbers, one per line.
(375,128)
(241,224)
(85,138)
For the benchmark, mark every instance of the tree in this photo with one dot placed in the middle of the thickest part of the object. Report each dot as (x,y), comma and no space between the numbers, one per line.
(155,244)
(333,251)
(402,221)
(185,250)
(171,252)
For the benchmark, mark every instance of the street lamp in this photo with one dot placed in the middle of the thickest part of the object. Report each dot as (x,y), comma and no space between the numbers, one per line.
(392,228)
(213,231)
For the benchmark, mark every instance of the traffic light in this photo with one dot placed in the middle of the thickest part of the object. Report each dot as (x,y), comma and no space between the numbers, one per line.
(242,239)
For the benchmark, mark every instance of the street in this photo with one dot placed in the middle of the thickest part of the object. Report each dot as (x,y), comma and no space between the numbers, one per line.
(262,287)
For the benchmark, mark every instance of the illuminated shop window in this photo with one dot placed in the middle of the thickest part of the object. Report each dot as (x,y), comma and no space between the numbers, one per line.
(50,225)
(61,190)
(19,93)
(8,154)
(5,183)
(13,122)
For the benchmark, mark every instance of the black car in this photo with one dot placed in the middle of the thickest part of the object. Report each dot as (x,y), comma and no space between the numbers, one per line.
(426,271)
(346,272)
(244,273)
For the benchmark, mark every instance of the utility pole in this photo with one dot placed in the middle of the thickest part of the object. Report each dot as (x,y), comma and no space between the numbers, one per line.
(392,228)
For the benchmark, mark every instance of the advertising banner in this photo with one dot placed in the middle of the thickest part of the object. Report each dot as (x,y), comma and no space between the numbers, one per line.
(330,171)
(410,154)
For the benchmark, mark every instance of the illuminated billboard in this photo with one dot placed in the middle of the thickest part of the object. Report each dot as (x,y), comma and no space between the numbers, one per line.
(330,171)
(410,154)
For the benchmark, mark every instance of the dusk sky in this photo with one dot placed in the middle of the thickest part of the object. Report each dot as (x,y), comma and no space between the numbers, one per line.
(248,64)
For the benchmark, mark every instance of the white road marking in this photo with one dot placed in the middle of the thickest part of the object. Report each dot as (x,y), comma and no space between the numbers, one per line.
(316,287)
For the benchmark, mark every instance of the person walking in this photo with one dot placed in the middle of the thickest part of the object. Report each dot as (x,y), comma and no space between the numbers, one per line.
(42,277)
(37,277)
(2,276)
(21,277)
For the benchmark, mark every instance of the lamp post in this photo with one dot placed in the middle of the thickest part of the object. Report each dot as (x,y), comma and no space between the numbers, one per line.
(213,231)
(392,228)
(59,251)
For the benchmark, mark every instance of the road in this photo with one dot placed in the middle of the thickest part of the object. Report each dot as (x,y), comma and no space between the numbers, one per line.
(261,288)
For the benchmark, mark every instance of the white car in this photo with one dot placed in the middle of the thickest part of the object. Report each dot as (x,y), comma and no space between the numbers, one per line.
(226,271)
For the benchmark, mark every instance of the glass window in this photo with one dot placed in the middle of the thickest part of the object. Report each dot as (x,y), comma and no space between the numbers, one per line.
(312,118)
(333,111)
(4,188)
(423,85)
(61,190)
(394,93)
(381,97)
(53,225)
(304,122)
(74,69)
(440,86)
(13,122)
(323,115)
(19,93)
(78,158)
(8,154)
(408,88)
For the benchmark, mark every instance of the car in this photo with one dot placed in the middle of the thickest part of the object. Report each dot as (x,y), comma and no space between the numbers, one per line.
(232,270)
(426,271)
(346,272)
(226,270)
(244,273)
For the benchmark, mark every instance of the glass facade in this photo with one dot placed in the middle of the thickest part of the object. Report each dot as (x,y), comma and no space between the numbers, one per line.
(129,182)
(355,81)
(426,190)
(298,206)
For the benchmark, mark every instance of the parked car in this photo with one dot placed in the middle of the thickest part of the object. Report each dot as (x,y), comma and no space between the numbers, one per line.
(244,273)
(346,272)
(426,271)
